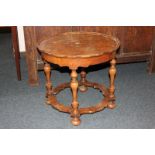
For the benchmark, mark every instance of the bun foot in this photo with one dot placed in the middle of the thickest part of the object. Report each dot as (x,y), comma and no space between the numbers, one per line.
(83,88)
(111,105)
(76,121)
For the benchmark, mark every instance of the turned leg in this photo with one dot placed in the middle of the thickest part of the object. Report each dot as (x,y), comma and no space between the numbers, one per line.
(74,87)
(47,70)
(112,74)
(83,80)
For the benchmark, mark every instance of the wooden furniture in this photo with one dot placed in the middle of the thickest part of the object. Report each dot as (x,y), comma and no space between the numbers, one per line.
(16,52)
(137,44)
(74,50)
(15,46)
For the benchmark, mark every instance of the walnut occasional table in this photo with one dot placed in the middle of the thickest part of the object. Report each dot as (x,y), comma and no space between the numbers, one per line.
(79,49)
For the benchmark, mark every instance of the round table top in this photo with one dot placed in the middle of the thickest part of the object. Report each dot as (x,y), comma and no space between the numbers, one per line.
(79,45)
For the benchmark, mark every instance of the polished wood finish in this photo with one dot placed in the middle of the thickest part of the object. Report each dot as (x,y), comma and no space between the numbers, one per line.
(83,80)
(136,43)
(47,70)
(74,50)
(72,44)
(112,73)
(74,87)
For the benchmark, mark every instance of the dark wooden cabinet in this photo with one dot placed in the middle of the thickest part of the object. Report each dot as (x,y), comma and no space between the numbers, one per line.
(137,44)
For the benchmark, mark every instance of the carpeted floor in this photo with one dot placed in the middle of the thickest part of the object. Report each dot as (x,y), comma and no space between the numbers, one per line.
(22,106)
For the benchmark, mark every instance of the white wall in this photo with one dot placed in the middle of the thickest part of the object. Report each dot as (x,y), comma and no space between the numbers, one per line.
(21,38)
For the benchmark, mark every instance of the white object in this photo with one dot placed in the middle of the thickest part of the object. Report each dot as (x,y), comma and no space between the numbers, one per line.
(21,38)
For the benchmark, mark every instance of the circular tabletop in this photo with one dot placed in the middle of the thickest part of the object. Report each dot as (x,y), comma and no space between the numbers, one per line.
(79,45)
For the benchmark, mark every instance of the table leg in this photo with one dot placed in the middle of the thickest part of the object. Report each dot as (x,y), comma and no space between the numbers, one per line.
(112,73)
(16,52)
(74,87)
(83,88)
(47,70)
